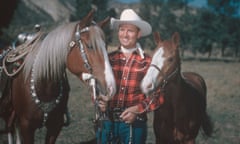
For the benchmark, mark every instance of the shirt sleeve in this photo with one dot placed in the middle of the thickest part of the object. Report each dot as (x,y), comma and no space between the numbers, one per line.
(151,102)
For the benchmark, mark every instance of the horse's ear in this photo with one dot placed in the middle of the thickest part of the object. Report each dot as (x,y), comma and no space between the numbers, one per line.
(157,37)
(88,18)
(104,22)
(176,38)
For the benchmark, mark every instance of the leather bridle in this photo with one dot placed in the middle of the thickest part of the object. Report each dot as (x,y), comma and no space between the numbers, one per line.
(165,77)
(79,43)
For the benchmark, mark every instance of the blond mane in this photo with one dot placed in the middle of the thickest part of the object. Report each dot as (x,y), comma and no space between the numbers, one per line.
(48,58)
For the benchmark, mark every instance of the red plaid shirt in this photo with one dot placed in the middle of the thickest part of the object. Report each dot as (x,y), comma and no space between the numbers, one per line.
(129,74)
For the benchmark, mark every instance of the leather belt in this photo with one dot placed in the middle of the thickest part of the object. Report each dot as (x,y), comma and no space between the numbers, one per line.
(114,115)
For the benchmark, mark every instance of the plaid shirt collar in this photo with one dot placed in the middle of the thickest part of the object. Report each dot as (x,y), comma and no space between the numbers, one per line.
(138,50)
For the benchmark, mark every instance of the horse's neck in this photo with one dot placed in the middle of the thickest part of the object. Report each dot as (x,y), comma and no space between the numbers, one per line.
(175,83)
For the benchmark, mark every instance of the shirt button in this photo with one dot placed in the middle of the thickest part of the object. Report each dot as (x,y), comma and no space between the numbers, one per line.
(124,78)
(122,88)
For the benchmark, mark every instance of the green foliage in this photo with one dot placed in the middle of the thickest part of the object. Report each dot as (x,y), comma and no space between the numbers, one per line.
(102,9)
(84,6)
(158,14)
(102,12)
(200,28)
(224,7)
(24,20)
(82,9)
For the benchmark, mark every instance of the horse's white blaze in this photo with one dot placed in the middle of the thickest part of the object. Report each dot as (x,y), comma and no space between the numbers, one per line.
(152,72)
(158,58)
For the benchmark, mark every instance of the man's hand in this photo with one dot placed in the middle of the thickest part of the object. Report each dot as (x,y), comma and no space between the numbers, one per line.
(102,103)
(130,114)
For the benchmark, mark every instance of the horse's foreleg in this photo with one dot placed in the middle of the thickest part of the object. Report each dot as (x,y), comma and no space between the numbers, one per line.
(18,137)
(13,128)
(10,138)
(27,133)
(190,142)
(52,136)
(53,130)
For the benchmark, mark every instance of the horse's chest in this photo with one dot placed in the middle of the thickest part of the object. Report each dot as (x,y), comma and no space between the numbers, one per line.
(179,103)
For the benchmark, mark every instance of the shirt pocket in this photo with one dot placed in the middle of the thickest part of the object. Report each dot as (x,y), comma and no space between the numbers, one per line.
(141,66)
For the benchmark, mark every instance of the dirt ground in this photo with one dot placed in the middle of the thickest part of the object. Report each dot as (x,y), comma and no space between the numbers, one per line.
(223,83)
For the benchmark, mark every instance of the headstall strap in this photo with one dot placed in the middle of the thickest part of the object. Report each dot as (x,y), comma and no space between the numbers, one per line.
(166,78)
(173,73)
(87,77)
(84,57)
(84,30)
(155,66)
(78,41)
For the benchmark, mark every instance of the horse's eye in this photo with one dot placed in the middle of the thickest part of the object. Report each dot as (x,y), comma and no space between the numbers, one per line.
(170,59)
(90,46)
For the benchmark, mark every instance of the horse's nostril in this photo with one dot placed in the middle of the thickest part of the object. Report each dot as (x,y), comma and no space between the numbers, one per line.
(150,86)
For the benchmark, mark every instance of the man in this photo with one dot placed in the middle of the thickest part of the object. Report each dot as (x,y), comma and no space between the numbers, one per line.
(126,119)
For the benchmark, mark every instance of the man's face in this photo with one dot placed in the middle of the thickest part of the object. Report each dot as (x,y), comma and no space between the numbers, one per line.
(128,35)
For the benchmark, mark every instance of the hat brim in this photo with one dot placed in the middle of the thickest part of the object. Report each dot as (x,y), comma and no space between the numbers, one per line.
(144,27)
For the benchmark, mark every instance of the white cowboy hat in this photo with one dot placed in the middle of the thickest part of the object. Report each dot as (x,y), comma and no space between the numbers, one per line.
(128,16)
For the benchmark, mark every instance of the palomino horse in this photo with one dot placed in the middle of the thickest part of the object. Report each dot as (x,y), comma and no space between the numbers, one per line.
(183,112)
(39,92)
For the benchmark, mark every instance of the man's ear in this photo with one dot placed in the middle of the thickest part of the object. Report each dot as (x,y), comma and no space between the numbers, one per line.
(139,34)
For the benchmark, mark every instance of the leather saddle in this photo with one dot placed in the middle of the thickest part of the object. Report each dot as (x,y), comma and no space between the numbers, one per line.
(13,61)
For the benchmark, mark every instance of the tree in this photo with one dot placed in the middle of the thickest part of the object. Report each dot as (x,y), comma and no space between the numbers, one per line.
(84,6)
(200,28)
(186,26)
(234,35)
(22,20)
(224,7)
(227,11)
(7,11)
(205,32)
(82,9)
(102,12)
(159,14)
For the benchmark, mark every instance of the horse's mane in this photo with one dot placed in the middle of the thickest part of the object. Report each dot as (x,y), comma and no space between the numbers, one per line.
(48,58)
(97,40)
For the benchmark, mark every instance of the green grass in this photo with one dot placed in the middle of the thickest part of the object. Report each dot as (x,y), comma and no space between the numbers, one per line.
(223,83)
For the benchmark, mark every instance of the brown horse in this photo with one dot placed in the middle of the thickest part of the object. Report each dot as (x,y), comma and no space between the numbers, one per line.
(183,112)
(39,92)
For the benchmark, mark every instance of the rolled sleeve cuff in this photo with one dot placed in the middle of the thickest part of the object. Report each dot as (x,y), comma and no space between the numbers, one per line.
(150,104)
(142,107)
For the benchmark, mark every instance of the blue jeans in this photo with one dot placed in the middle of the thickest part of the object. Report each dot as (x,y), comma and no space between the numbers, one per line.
(122,133)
